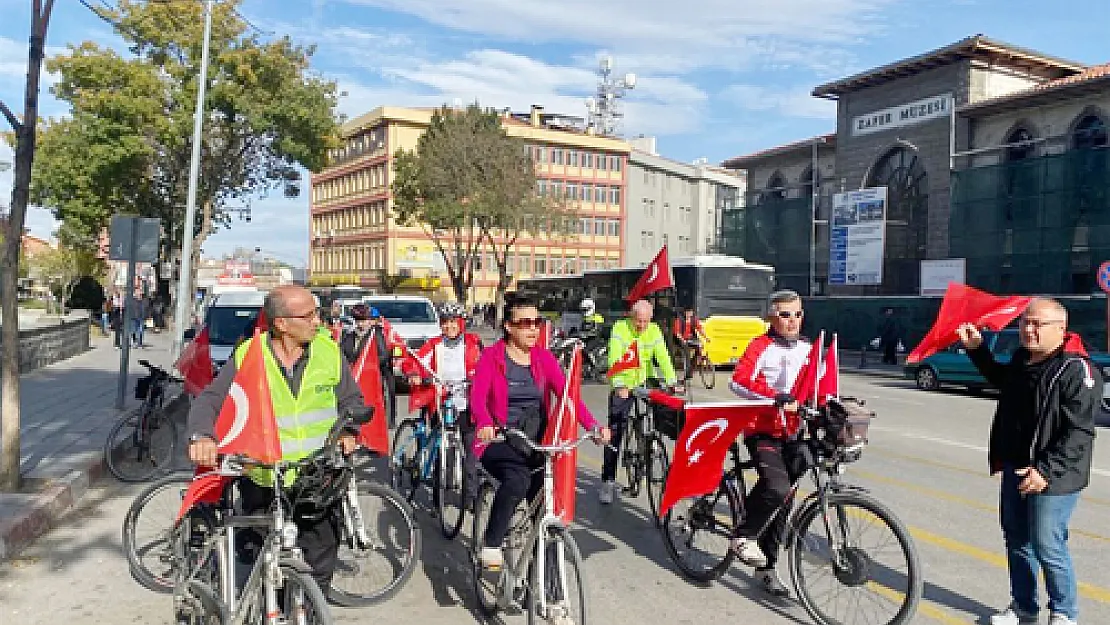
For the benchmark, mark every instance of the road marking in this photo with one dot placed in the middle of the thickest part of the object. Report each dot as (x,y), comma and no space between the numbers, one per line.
(984,474)
(926,608)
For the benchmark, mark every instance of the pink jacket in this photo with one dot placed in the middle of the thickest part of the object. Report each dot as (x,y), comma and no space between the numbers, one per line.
(489,392)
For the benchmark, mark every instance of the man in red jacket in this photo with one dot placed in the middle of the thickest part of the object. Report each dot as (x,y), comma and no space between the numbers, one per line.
(767,370)
(452,357)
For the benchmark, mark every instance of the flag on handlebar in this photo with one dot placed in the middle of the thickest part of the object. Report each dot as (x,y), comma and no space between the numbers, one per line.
(630,359)
(206,487)
(964,304)
(699,452)
(544,339)
(828,381)
(375,434)
(195,364)
(805,386)
(246,423)
(562,426)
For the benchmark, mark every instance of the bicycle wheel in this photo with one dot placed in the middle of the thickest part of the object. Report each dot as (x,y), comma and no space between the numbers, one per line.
(378,560)
(563,585)
(658,464)
(152,541)
(886,578)
(697,532)
(404,469)
(632,456)
(141,445)
(600,355)
(682,362)
(487,584)
(450,485)
(197,604)
(707,372)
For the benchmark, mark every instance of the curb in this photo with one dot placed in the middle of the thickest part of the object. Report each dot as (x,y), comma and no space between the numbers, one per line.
(876,373)
(53,498)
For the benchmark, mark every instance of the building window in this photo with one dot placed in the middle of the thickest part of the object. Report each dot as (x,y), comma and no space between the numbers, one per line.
(907,217)
(572,191)
(541,187)
(615,164)
(647,178)
(614,228)
(666,211)
(588,160)
(602,162)
(666,238)
(776,188)
(1019,145)
(1089,133)
(558,156)
(573,158)
(615,195)
(541,155)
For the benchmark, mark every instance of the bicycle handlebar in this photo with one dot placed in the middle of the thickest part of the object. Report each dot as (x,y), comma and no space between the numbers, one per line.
(503,435)
(155,369)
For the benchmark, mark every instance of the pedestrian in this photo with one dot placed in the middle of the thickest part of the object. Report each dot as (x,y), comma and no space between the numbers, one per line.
(138,320)
(890,334)
(1042,440)
(105,316)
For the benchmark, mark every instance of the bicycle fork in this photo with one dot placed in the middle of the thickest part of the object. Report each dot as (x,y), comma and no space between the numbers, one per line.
(357,536)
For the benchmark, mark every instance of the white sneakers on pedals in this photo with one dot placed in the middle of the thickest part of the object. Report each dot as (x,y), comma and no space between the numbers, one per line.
(747,549)
(607,492)
(1014,615)
(491,558)
(769,580)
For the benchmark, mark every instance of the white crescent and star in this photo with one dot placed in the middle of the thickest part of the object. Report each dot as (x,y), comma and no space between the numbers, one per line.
(721,425)
(629,354)
(242,411)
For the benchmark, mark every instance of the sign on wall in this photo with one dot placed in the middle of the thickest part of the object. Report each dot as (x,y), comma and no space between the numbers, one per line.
(937,274)
(857,237)
(903,115)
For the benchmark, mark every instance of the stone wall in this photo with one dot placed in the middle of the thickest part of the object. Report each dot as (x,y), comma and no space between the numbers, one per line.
(46,344)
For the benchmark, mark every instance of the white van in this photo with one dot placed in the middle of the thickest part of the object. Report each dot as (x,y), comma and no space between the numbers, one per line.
(413,317)
(229,317)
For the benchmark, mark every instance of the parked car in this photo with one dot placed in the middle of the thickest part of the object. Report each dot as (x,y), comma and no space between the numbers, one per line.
(413,317)
(953,366)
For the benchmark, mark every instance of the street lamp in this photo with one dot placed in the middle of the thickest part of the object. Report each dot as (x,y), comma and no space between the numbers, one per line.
(185,282)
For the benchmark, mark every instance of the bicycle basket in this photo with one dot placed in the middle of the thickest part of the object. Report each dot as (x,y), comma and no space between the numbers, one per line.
(846,423)
(668,413)
(142,386)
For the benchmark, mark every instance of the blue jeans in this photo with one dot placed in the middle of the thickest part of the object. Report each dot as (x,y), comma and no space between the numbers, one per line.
(1035,530)
(138,326)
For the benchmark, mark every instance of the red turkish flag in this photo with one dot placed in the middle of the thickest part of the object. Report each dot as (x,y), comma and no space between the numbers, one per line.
(544,339)
(562,427)
(805,386)
(195,364)
(206,487)
(656,277)
(336,331)
(246,423)
(699,452)
(392,337)
(261,323)
(630,359)
(375,434)
(964,304)
(828,377)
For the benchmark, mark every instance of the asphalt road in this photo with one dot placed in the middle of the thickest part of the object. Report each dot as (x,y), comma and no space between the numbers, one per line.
(926,460)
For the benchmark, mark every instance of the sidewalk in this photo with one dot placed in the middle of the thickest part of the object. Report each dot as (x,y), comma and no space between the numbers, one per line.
(872,365)
(67,410)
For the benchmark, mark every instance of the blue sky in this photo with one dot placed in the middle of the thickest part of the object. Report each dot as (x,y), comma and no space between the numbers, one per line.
(716,78)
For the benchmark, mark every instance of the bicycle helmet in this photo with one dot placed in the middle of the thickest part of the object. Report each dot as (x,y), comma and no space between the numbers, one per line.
(451,310)
(587,307)
(361,312)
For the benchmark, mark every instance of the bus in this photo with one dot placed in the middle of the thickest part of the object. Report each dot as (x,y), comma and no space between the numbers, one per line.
(727,293)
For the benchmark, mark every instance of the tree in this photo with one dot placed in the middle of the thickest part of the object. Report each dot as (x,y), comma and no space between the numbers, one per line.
(462,185)
(62,267)
(125,148)
(23,136)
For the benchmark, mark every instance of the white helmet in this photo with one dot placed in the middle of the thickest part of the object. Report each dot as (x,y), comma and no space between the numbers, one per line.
(587,307)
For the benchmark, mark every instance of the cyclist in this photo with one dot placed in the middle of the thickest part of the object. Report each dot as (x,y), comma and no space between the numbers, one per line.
(688,331)
(515,384)
(767,370)
(351,342)
(591,319)
(452,356)
(310,386)
(637,327)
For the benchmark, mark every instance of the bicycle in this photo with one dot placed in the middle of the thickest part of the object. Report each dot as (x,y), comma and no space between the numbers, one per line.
(643,452)
(693,359)
(835,435)
(142,444)
(156,557)
(542,561)
(434,454)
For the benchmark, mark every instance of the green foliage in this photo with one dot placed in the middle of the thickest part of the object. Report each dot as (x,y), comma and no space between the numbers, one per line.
(465,179)
(87,294)
(125,147)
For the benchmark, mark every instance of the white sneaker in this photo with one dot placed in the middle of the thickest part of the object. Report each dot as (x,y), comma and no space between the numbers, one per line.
(769,580)
(747,549)
(605,494)
(1013,615)
(491,558)
(1060,619)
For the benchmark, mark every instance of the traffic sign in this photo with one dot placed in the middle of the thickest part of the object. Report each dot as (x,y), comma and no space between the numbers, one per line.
(1103,276)
(144,240)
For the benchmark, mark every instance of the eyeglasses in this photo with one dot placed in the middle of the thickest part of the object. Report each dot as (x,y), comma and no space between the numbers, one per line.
(308,316)
(533,323)
(1039,323)
(786,314)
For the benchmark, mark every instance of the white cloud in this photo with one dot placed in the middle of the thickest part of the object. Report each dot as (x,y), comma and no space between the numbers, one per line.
(790,102)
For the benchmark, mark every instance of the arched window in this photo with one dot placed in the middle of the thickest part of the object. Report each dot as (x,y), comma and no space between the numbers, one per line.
(1090,132)
(776,188)
(907,217)
(1020,145)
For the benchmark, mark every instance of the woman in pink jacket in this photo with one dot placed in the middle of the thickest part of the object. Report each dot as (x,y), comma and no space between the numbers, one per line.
(515,383)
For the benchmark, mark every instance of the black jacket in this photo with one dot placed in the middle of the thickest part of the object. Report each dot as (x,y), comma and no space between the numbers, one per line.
(351,346)
(1067,397)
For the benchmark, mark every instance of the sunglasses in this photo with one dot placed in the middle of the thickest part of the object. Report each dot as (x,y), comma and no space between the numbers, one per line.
(535,323)
(786,314)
